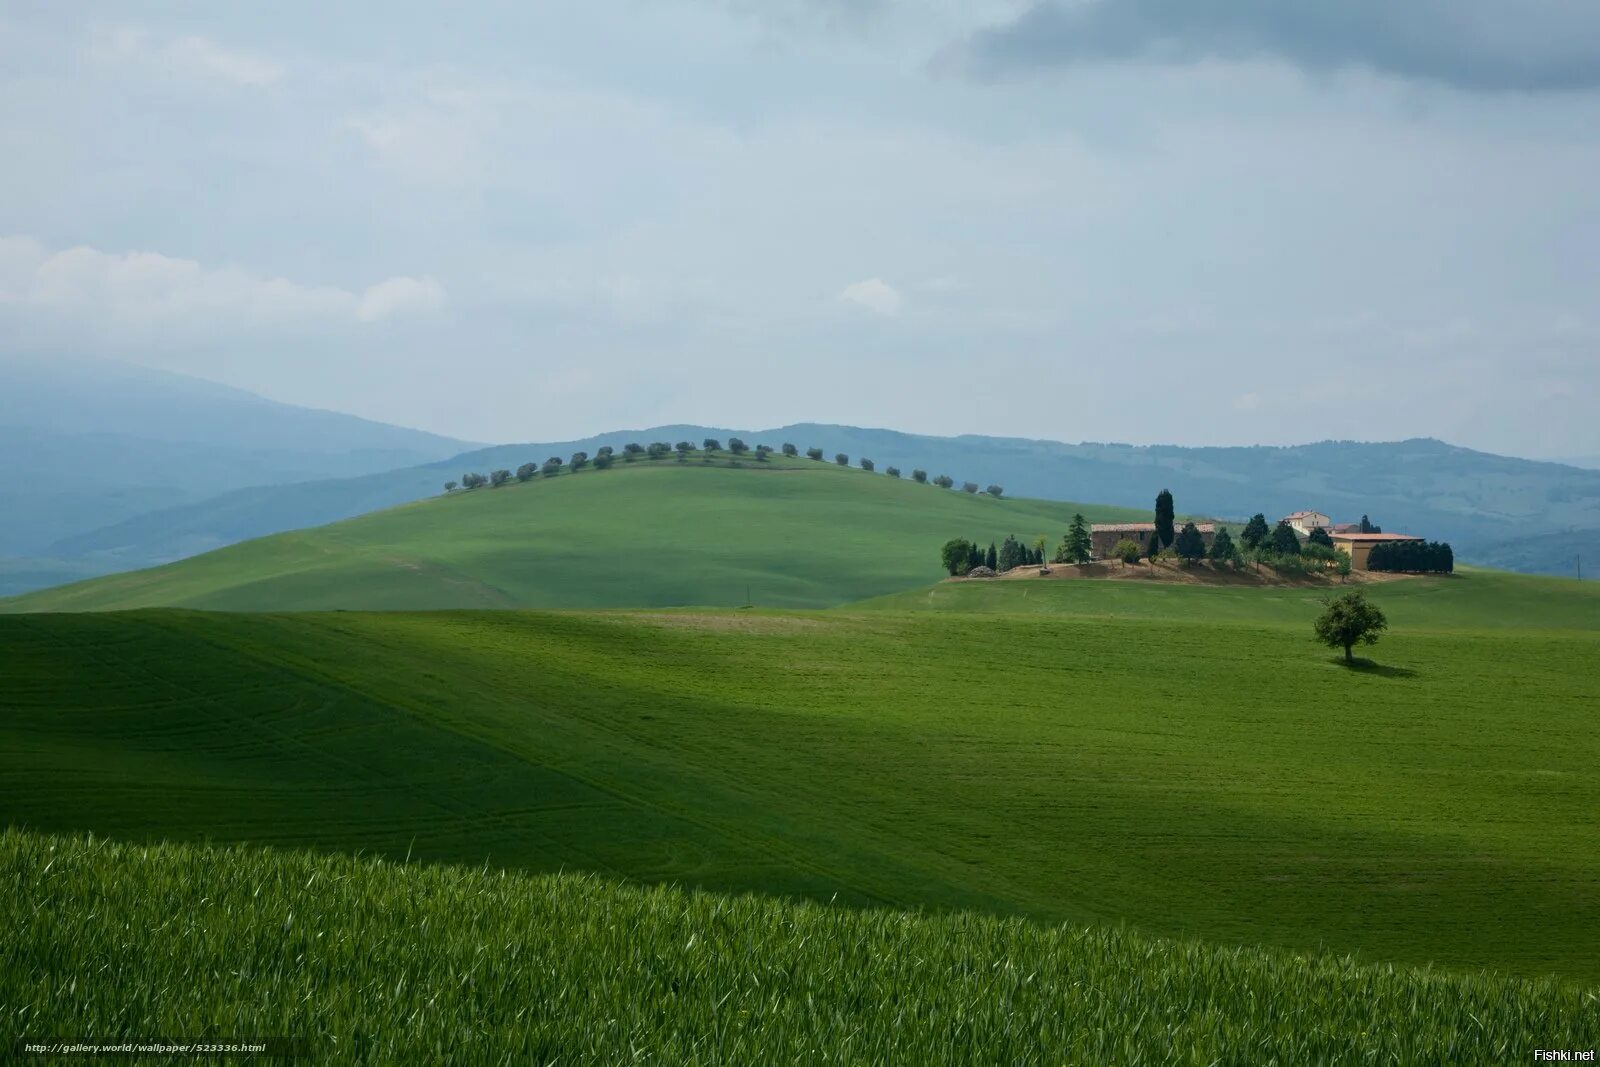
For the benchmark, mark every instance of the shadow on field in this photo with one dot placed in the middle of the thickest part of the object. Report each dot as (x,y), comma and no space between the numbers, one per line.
(1367,666)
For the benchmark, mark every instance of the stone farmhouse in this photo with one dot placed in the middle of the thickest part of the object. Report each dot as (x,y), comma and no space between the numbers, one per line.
(1303,522)
(1105,535)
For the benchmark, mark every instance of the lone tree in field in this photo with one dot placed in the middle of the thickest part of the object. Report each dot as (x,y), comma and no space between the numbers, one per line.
(813,453)
(893,472)
(1255,532)
(867,464)
(996,491)
(710,444)
(841,459)
(1222,548)
(579,460)
(603,459)
(1319,536)
(737,446)
(1077,546)
(552,467)
(499,478)
(449,487)
(1284,541)
(1127,551)
(969,487)
(920,477)
(1164,526)
(685,447)
(944,481)
(1350,620)
(954,555)
(790,450)
(527,471)
(1190,545)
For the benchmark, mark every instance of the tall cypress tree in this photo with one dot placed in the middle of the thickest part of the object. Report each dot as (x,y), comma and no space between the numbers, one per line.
(1153,549)
(1164,517)
(992,560)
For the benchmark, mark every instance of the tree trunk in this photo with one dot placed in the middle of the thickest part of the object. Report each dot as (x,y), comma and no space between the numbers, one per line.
(1348,658)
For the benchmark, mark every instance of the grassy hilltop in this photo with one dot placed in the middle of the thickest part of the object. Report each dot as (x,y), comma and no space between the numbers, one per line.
(1220,777)
(787,533)
(402,964)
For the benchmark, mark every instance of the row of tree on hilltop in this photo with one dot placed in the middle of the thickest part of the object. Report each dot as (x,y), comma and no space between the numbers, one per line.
(606,456)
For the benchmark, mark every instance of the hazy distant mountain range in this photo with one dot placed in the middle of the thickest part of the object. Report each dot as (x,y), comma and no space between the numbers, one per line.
(109,467)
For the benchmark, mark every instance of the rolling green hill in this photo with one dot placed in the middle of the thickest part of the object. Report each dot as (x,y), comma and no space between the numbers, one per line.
(403,964)
(1194,772)
(786,533)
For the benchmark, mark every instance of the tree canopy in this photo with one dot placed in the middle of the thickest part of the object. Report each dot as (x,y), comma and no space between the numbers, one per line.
(955,555)
(1223,550)
(1415,557)
(1350,620)
(1077,546)
(1284,540)
(1190,544)
(1255,532)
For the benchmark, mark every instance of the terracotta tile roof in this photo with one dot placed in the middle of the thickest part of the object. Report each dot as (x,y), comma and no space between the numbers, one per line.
(1374,537)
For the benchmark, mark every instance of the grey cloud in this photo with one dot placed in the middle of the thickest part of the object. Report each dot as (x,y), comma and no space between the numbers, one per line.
(1483,45)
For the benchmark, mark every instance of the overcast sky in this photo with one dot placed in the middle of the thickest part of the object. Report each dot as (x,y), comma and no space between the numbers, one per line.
(1185,221)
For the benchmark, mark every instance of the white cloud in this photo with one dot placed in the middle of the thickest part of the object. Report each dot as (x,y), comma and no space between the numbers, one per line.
(148,288)
(191,55)
(399,296)
(874,294)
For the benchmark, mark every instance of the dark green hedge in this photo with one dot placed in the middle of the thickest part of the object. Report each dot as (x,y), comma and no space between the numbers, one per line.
(1431,557)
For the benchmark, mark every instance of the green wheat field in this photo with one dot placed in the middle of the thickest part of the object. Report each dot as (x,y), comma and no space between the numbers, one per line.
(874,820)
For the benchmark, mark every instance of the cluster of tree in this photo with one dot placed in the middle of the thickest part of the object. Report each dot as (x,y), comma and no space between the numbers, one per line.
(1415,557)
(959,556)
(1014,553)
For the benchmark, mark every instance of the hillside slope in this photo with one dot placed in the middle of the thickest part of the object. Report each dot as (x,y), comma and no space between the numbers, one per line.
(1194,773)
(1486,505)
(789,533)
(365,961)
